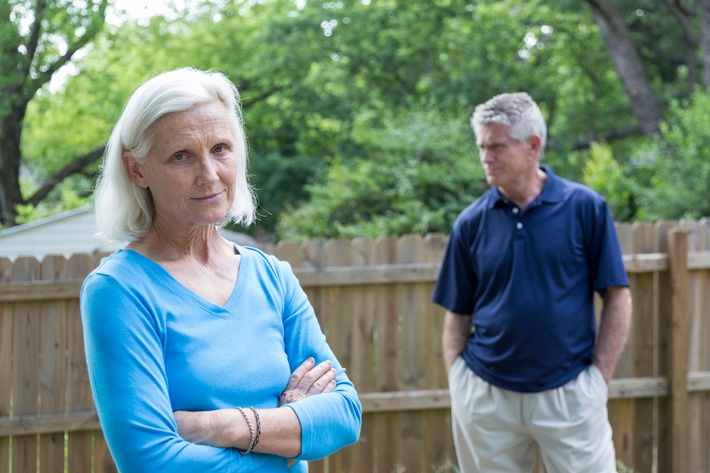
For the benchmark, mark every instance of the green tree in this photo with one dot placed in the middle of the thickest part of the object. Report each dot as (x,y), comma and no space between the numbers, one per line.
(321,82)
(36,40)
(676,165)
(399,186)
(419,171)
(605,175)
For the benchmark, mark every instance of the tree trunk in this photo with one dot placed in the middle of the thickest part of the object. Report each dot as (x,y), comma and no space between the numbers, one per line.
(622,51)
(705,41)
(10,158)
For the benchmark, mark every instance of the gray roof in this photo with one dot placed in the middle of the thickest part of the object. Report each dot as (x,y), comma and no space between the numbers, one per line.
(71,232)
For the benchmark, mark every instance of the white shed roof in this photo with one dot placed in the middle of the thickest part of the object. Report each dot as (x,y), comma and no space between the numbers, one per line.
(67,233)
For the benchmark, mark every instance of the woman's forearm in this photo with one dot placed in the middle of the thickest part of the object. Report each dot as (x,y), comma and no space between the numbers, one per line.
(275,431)
(278,429)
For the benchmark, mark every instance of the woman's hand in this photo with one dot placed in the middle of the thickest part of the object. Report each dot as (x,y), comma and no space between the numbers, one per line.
(309,380)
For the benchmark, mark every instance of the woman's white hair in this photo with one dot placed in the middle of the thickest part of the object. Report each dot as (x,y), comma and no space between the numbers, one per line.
(518,111)
(124,211)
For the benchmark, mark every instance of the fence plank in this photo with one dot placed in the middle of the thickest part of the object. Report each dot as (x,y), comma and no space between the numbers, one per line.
(385,446)
(363,360)
(52,366)
(26,363)
(415,356)
(699,349)
(336,324)
(662,298)
(642,345)
(103,463)
(80,448)
(678,351)
(6,363)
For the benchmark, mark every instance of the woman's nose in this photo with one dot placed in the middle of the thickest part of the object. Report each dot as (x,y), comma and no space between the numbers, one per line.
(207,170)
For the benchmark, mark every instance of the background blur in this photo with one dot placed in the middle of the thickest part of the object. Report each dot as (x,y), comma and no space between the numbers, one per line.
(357,111)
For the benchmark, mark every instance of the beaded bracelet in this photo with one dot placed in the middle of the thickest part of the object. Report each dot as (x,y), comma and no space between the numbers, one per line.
(252,441)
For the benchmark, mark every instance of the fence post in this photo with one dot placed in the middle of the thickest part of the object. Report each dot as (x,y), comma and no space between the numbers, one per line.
(678,350)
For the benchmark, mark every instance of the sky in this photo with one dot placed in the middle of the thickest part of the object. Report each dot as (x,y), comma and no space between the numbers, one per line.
(139,9)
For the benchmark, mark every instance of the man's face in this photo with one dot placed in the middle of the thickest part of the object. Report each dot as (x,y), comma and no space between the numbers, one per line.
(505,160)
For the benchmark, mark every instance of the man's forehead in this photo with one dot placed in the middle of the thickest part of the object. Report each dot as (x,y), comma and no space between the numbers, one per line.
(493,131)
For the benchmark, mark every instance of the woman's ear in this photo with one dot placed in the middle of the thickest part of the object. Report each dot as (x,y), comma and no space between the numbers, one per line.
(135,169)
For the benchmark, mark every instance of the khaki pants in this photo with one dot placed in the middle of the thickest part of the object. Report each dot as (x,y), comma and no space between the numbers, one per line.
(495,430)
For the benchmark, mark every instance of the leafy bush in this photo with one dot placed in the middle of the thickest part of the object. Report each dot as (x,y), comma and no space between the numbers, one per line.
(674,168)
(605,175)
(420,172)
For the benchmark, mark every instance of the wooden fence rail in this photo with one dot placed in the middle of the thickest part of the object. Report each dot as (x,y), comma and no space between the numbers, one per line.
(373,301)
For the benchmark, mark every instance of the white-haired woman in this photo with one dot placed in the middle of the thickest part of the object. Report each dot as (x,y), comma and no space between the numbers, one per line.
(203,355)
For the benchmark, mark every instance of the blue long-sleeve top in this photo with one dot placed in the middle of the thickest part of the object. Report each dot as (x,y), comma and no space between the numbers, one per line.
(154,347)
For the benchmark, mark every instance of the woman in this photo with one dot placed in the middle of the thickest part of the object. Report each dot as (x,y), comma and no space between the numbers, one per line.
(202,355)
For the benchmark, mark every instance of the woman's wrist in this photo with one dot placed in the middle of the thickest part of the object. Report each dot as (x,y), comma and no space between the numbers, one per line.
(226,428)
(253,421)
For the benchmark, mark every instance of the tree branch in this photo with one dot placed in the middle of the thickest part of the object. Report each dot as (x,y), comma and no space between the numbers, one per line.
(45,76)
(251,100)
(33,39)
(633,130)
(76,165)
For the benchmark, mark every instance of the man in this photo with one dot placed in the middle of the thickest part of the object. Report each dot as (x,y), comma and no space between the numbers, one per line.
(517,283)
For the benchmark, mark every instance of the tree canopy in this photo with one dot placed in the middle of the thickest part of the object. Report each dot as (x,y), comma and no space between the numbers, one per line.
(36,40)
(357,112)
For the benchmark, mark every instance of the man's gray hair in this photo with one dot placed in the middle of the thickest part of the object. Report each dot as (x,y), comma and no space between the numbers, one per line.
(518,111)
(124,211)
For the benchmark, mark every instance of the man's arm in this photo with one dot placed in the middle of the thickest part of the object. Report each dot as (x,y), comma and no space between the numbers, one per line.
(613,329)
(457,328)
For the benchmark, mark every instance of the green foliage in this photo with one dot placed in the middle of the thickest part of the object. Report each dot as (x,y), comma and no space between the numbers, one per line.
(274,179)
(356,112)
(676,165)
(67,200)
(419,171)
(605,175)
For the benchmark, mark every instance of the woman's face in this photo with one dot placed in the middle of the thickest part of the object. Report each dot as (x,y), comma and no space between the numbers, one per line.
(191,167)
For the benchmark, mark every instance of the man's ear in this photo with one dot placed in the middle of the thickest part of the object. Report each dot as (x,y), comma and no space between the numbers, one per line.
(535,143)
(135,169)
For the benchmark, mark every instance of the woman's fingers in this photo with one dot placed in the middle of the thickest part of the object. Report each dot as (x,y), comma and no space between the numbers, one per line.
(308,380)
(299,373)
(323,375)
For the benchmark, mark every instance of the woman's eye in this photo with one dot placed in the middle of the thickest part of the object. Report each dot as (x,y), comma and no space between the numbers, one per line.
(220,148)
(179,157)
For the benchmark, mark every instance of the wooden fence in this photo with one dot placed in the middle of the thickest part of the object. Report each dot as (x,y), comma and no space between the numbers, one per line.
(373,301)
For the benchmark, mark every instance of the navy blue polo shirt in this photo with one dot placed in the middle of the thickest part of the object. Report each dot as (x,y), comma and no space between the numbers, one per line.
(528,278)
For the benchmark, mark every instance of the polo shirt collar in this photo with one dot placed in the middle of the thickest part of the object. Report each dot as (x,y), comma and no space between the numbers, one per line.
(551,192)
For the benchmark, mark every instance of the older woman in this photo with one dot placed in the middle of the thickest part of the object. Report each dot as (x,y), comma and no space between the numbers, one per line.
(202,355)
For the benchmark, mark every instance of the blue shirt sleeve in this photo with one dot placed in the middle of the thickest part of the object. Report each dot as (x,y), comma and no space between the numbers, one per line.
(456,283)
(330,421)
(604,251)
